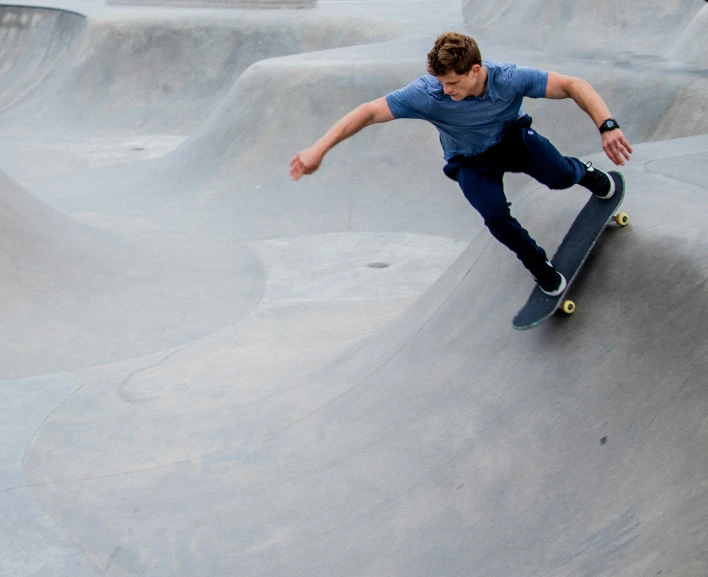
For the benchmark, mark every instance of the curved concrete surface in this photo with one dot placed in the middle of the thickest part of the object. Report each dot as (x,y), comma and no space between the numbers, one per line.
(36,44)
(591,28)
(207,369)
(252,4)
(691,45)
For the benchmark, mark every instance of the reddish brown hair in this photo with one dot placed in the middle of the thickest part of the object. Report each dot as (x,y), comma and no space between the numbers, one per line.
(453,52)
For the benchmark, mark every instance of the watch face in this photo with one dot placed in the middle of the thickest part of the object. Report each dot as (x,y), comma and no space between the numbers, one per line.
(609,124)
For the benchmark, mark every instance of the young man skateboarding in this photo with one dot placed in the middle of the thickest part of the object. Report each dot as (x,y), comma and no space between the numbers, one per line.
(476,107)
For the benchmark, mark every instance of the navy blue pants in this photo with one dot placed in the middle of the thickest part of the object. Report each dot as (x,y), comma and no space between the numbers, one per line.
(481,179)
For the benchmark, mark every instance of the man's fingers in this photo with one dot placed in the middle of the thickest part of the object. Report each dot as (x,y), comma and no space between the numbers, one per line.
(305,162)
(297,168)
(614,155)
(617,148)
(617,154)
(623,152)
(623,147)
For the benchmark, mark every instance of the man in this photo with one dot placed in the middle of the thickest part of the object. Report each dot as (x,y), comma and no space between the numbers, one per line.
(476,107)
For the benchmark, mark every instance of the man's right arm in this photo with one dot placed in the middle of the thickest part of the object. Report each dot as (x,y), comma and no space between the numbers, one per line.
(308,161)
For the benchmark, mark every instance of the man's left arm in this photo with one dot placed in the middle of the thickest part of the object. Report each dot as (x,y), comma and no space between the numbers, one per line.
(614,142)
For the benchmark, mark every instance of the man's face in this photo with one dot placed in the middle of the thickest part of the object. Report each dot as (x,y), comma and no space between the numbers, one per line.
(460,86)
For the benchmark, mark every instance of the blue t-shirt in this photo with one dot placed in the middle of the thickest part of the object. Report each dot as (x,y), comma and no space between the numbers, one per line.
(474,124)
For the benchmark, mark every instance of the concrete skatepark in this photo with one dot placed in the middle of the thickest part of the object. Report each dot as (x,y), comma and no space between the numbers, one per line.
(207,369)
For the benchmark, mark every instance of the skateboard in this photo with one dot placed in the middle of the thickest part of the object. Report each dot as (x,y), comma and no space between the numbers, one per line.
(572,253)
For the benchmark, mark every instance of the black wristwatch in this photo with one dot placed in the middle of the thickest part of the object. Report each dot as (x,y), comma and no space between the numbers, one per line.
(609,124)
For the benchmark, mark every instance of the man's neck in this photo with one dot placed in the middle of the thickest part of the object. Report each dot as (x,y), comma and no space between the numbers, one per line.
(482,87)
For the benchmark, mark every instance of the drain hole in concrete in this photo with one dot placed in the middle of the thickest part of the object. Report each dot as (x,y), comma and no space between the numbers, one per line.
(379,265)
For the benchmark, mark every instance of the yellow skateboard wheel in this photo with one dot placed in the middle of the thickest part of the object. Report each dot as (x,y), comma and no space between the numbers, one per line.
(568,307)
(622,219)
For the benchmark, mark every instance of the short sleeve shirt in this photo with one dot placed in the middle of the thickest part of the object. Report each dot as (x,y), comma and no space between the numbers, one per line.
(472,125)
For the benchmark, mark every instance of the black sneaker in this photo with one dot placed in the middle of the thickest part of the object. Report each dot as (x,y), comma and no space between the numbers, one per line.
(598,182)
(550,281)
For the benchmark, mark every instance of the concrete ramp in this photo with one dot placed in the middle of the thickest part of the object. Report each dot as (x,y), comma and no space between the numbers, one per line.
(134,74)
(206,369)
(36,43)
(590,28)
(691,46)
(57,273)
(447,441)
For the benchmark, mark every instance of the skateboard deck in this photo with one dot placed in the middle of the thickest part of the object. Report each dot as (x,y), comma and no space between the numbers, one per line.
(572,253)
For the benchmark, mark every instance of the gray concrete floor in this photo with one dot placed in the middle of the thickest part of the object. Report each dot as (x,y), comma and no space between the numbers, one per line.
(206,369)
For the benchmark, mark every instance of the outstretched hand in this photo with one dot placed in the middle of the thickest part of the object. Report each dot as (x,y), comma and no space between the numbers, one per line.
(616,146)
(305,162)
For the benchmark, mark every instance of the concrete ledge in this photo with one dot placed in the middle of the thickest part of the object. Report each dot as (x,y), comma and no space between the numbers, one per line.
(250,4)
